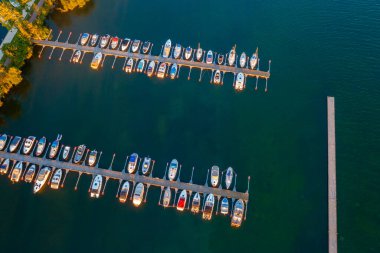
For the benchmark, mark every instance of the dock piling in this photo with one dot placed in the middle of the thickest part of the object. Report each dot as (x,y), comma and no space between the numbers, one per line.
(146,194)
(191,178)
(64,177)
(151,171)
(206,183)
(118,189)
(76,184)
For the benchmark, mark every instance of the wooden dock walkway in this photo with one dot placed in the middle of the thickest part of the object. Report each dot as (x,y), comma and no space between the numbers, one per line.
(333,244)
(118,175)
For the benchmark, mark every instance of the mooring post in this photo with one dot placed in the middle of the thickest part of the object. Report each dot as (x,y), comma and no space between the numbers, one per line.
(92,180)
(60,32)
(188,77)
(47,38)
(68,38)
(258,64)
(76,185)
(125,164)
(151,171)
(200,75)
(97,162)
(165,170)
(191,179)
(64,178)
(206,183)
(118,189)
(159,200)
(104,188)
(257,80)
(114,61)
(113,158)
(42,49)
(80,35)
(266,84)
(270,61)
(146,194)
(124,63)
(179,174)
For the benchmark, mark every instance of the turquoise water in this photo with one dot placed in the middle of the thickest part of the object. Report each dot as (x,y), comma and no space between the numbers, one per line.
(278,138)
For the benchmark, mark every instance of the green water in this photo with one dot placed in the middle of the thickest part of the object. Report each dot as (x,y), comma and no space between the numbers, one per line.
(317,48)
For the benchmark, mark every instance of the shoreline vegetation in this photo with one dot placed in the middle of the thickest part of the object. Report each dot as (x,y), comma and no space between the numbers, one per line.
(20,49)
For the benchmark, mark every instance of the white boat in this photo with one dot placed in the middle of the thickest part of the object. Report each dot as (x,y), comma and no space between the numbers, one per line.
(66,152)
(92,157)
(173,168)
(104,41)
(161,70)
(240,82)
(141,66)
(132,164)
(173,71)
(78,156)
(217,77)
(232,57)
(145,168)
(41,146)
(96,186)
(181,204)
(151,68)
(135,46)
(76,56)
(167,197)
(94,40)
(229,177)
(29,144)
(254,59)
(55,147)
(123,196)
(42,177)
(209,57)
(84,39)
(177,51)
(188,53)
(4,167)
(209,207)
(114,43)
(167,49)
(138,195)
(199,54)
(3,141)
(243,60)
(17,172)
(224,206)
(237,215)
(56,179)
(214,176)
(146,47)
(125,44)
(96,60)
(15,143)
(195,205)
(30,172)
(129,65)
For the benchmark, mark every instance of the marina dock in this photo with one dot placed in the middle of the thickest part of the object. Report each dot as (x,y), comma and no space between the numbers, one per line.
(332,208)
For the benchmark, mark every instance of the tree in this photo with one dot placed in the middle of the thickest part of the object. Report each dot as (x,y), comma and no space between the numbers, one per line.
(69,5)
(8,79)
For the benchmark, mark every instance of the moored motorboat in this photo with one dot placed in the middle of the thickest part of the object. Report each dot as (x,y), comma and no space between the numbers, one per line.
(96,186)
(188,53)
(243,60)
(138,194)
(123,195)
(56,179)
(129,65)
(84,39)
(151,68)
(94,40)
(28,145)
(161,70)
(237,215)
(146,46)
(132,164)
(195,205)
(79,153)
(92,158)
(41,146)
(229,177)
(217,77)
(66,152)
(114,43)
(15,143)
(3,141)
(167,49)
(17,172)
(76,56)
(254,59)
(224,206)
(173,168)
(135,46)
(209,57)
(209,207)
(30,172)
(145,168)
(125,44)
(214,176)
(220,59)
(4,167)
(42,177)
(232,56)
(181,204)
(104,40)
(167,197)
(55,147)
(240,82)
(199,53)
(177,51)
(173,71)
(96,60)
(141,66)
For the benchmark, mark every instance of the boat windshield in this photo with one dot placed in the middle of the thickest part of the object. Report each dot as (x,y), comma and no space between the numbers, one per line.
(133,159)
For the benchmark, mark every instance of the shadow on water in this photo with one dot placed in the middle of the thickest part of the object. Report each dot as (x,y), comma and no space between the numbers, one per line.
(66,20)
